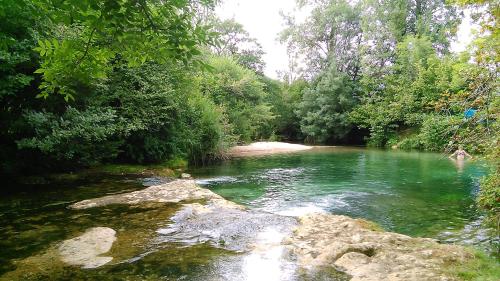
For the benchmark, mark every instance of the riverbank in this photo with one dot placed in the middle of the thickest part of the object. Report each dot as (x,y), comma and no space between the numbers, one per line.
(169,169)
(312,246)
(266,148)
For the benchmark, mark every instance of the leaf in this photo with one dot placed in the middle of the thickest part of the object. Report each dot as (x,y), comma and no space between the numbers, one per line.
(55,43)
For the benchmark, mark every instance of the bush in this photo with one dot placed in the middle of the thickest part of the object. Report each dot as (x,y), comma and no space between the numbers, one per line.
(489,198)
(241,94)
(209,130)
(436,131)
(149,114)
(410,142)
(78,137)
(324,109)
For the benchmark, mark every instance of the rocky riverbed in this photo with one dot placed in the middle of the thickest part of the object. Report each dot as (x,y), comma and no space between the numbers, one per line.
(312,247)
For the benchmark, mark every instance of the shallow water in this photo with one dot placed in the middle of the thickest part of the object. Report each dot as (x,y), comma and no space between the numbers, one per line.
(419,194)
(414,193)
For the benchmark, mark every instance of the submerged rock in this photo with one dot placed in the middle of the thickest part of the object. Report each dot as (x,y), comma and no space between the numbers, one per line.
(223,226)
(316,246)
(365,253)
(85,249)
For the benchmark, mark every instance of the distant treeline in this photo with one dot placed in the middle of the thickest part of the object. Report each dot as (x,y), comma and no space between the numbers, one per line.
(87,82)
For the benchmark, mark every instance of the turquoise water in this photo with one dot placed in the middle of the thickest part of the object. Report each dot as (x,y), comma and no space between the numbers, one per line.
(419,194)
(415,193)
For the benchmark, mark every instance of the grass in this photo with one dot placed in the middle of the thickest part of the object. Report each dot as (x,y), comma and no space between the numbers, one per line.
(480,268)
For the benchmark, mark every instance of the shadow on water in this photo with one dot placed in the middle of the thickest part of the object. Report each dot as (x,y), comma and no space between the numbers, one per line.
(420,194)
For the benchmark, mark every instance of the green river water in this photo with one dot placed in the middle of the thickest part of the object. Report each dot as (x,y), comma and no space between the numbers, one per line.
(418,194)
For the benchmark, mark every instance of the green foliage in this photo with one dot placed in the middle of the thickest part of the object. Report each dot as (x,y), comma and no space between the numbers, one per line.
(79,137)
(235,41)
(480,267)
(241,94)
(433,135)
(165,116)
(483,131)
(284,99)
(211,131)
(148,114)
(325,106)
(331,35)
(489,198)
(148,100)
(20,28)
(89,35)
(436,131)
(418,81)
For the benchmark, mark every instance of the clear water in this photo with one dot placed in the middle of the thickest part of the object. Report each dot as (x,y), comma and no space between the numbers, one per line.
(419,194)
(414,193)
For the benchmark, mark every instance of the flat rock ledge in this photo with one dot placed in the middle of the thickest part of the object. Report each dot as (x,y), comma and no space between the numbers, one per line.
(357,248)
(314,242)
(265,148)
(172,192)
(85,250)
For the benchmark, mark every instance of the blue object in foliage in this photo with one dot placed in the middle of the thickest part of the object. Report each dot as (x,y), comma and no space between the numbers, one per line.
(469,113)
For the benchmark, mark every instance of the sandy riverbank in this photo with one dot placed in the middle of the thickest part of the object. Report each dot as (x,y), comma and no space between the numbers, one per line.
(265,148)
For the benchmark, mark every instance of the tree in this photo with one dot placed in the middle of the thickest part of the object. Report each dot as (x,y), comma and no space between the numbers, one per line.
(21,27)
(325,106)
(239,91)
(145,114)
(235,41)
(284,99)
(90,35)
(418,79)
(387,23)
(483,129)
(330,35)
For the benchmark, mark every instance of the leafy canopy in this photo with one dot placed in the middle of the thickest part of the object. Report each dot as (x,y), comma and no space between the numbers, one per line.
(88,35)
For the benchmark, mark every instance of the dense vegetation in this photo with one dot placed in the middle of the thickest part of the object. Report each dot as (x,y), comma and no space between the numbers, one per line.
(88,82)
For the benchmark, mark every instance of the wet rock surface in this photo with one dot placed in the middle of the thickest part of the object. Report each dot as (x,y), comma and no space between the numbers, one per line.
(172,192)
(365,253)
(312,247)
(85,250)
(230,228)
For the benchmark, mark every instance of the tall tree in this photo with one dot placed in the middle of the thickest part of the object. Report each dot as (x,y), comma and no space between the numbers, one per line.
(325,106)
(386,23)
(330,35)
(239,91)
(235,41)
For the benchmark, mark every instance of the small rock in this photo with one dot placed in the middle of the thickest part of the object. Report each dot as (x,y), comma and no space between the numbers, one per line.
(85,249)
(185,176)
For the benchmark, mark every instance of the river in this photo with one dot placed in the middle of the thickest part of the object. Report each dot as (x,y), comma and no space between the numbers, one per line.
(414,193)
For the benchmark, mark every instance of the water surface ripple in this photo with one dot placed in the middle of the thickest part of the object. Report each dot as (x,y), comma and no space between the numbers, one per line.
(414,193)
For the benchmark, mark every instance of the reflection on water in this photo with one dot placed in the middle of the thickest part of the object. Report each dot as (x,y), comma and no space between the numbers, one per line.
(266,262)
(419,194)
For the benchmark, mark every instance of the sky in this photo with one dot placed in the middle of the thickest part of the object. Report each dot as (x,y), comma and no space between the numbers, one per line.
(262,19)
